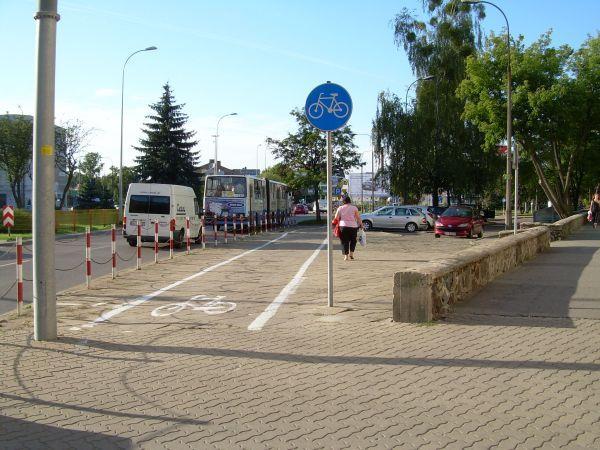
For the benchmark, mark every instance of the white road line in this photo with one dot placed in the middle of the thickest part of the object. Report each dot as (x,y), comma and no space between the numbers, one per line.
(13,263)
(138,301)
(288,290)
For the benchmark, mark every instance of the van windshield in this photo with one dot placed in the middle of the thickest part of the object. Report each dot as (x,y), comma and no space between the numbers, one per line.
(220,186)
(150,204)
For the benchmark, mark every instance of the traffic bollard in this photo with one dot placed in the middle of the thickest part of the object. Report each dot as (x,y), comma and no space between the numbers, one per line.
(171,231)
(88,256)
(215,230)
(156,242)
(203,225)
(225,229)
(187,236)
(234,229)
(138,261)
(19,275)
(113,251)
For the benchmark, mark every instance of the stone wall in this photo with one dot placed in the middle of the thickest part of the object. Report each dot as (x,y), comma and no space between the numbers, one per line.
(560,229)
(426,292)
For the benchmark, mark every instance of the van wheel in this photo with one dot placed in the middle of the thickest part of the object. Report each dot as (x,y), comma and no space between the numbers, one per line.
(132,243)
(411,227)
(179,239)
(480,234)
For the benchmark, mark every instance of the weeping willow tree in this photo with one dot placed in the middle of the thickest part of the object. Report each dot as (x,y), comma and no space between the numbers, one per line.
(438,146)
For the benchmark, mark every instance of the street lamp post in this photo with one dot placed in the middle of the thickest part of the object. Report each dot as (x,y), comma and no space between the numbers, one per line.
(121,147)
(217,138)
(372,172)
(425,78)
(507,220)
(257,166)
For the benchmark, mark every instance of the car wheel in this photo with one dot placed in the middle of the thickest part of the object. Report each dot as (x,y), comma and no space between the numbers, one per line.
(470,234)
(367,225)
(411,227)
(437,236)
(131,243)
(480,235)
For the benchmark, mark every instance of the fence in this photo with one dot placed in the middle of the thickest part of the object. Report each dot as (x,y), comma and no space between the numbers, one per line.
(68,221)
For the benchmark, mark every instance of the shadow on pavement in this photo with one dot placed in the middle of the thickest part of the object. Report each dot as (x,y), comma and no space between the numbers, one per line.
(336,359)
(33,435)
(558,284)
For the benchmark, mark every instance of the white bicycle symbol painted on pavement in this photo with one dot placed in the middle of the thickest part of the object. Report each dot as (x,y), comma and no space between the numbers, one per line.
(208,305)
(338,109)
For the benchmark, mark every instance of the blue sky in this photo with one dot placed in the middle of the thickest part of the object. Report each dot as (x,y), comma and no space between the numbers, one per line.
(257,58)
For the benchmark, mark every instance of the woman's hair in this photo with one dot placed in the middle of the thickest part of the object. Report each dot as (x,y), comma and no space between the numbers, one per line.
(346,199)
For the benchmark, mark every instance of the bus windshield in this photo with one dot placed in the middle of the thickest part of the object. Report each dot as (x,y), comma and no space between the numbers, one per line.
(219,186)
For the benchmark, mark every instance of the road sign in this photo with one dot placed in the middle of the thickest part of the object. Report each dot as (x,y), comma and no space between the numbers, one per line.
(337,190)
(8,216)
(328,107)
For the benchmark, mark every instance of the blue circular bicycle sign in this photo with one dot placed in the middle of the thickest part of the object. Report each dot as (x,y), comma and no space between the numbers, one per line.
(328,107)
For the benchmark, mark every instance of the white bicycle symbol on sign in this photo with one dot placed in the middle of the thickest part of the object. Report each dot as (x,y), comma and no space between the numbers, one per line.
(338,109)
(208,305)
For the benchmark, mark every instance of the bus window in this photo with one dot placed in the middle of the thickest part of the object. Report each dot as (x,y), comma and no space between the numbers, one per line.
(219,186)
(257,190)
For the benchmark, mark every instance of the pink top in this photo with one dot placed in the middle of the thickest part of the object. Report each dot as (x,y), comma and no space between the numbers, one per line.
(347,215)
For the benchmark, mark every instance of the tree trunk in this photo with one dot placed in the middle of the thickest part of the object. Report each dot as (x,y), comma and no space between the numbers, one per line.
(16,192)
(434,197)
(66,189)
(557,198)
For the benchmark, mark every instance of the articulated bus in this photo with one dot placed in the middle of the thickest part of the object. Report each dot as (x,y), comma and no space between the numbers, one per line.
(228,195)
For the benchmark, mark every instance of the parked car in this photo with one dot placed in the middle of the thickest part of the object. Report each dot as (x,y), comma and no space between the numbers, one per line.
(300,209)
(459,221)
(399,217)
(437,211)
(428,214)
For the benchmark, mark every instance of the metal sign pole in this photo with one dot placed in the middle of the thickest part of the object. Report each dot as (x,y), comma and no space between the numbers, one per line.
(44,288)
(329,219)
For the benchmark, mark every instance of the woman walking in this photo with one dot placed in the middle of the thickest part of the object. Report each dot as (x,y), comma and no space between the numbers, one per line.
(348,218)
(595,207)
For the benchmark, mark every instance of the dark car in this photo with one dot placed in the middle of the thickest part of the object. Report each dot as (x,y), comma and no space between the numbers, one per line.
(437,211)
(459,221)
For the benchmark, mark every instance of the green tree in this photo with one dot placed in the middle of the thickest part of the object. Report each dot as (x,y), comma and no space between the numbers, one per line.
(556,115)
(71,139)
(16,139)
(446,148)
(91,191)
(305,153)
(166,152)
(110,181)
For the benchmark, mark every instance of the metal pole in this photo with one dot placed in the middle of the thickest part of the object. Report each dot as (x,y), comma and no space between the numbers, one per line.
(215,169)
(121,145)
(44,287)
(362,201)
(372,178)
(329,219)
(516,205)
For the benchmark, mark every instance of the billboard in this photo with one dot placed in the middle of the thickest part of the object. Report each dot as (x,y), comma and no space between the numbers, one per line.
(361,184)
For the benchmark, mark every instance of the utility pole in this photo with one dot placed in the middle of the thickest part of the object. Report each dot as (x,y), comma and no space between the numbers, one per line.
(44,288)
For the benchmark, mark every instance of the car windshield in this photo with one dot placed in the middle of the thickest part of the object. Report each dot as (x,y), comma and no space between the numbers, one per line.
(218,186)
(458,212)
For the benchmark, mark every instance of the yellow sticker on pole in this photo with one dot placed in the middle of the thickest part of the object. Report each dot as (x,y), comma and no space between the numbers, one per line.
(47,150)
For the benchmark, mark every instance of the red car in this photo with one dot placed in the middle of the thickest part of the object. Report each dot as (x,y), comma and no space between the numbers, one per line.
(300,209)
(459,221)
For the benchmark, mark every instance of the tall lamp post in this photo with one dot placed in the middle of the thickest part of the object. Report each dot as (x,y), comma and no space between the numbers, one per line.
(372,172)
(507,220)
(425,78)
(217,138)
(257,166)
(147,49)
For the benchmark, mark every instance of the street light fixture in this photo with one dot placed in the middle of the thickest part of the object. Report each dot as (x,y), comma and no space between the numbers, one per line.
(425,78)
(147,49)
(216,136)
(508,128)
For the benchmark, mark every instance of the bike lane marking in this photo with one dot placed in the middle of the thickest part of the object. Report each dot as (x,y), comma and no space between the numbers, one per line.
(288,290)
(104,317)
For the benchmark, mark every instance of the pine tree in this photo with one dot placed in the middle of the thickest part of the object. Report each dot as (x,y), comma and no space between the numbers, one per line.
(166,152)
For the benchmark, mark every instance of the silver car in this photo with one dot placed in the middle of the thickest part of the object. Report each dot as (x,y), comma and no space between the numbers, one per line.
(410,219)
(425,211)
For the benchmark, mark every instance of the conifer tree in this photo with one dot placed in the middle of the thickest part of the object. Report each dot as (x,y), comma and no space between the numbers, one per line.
(166,151)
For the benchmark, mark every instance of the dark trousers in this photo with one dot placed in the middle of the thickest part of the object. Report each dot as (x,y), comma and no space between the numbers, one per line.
(348,239)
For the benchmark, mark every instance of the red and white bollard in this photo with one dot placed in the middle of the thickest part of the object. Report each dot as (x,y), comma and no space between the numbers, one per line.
(265,217)
(88,257)
(215,230)
(260,225)
(187,236)
(113,251)
(234,229)
(156,242)
(202,224)
(171,231)
(138,262)
(19,275)
(225,229)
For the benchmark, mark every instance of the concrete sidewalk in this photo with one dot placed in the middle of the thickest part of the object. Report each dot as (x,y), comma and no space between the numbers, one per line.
(314,377)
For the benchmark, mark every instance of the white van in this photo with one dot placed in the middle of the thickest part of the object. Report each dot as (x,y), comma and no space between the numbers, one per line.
(149,203)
